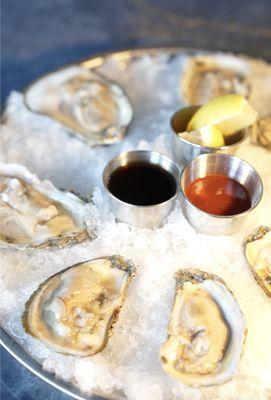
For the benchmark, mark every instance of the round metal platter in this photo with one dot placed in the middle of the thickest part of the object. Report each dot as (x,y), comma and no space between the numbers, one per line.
(119,61)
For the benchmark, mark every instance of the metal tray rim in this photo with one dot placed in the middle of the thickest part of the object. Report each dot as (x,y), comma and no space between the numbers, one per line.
(10,344)
(25,359)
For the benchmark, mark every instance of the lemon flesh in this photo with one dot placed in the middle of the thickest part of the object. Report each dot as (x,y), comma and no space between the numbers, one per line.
(209,136)
(229,113)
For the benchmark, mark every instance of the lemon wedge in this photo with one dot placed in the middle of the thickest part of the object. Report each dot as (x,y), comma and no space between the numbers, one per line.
(209,136)
(229,113)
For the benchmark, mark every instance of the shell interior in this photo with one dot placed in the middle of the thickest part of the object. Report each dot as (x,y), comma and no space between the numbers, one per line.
(73,311)
(208,76)
(261,132)
(34,212)
(205,333)
(87,103)
(258,255)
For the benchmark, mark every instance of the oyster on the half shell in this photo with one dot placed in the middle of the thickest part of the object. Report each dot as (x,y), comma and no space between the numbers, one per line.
(206,331)
(261,132)
(258,255)
(92,107)
(73,311)
(208,76)
(35,213)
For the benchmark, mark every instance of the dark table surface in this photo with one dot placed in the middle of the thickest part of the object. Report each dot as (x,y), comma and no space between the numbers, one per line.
(41,35)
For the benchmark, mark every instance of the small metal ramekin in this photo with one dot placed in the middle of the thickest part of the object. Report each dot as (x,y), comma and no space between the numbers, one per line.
(231,166)
(185,151)
(141,216)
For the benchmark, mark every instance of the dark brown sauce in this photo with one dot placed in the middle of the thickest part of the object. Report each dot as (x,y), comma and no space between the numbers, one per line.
(218,194)
(142,184)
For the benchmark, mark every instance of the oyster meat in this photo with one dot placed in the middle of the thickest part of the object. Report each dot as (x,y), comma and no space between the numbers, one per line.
(36,213)
(209,76)
(258,255)
(90,105)
(206,331)
(73,311)
(261,132)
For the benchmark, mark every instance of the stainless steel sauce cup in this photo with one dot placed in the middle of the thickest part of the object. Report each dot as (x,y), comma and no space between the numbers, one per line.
(141,216)
(231,166)
(185,151)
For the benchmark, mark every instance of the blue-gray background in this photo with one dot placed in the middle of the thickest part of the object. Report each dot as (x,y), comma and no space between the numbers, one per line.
(40,35)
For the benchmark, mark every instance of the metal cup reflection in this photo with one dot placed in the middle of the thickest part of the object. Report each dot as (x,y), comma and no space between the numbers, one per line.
(149,216)
(231,166)
(185,151)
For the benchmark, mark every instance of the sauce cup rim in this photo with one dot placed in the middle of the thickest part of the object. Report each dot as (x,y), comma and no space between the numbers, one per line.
(197,145)
(208,148)
(177,181)
(238,215)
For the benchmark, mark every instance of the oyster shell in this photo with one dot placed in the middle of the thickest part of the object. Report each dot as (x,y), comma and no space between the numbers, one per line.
(73,311)
(261,132)
(90,105)
(35,213)
(205,333)
(208,76)
(258,255)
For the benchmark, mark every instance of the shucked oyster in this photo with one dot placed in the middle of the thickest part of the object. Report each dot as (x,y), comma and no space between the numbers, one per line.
(261,132)
(205,333)
(73,311)
(208,76)
(258,255)
(90,105)
(36,213)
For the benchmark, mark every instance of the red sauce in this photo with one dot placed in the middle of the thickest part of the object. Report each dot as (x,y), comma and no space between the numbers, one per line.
(218,194)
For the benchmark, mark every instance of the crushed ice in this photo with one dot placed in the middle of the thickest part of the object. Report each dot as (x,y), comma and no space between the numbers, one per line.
(130,363)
